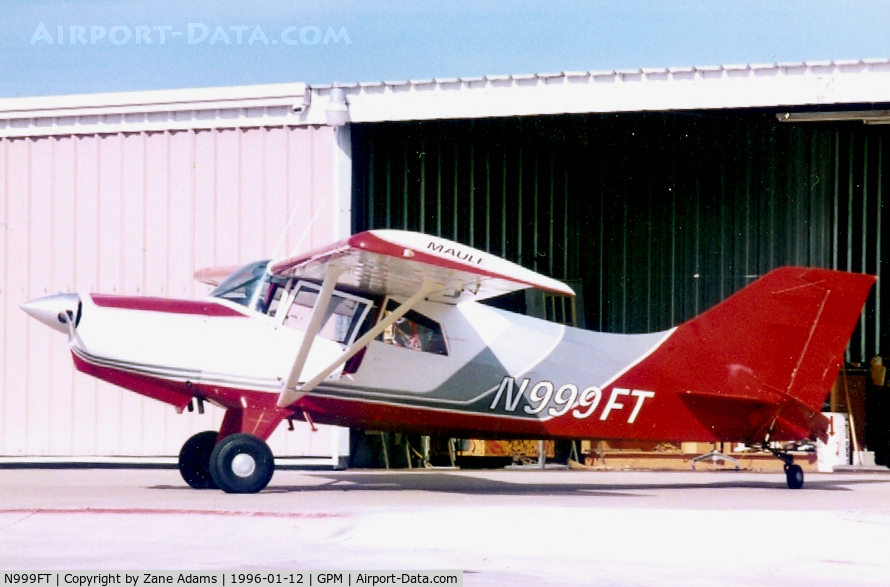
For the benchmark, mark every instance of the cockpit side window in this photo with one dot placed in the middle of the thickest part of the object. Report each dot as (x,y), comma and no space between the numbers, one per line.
(414,331)
(344,314)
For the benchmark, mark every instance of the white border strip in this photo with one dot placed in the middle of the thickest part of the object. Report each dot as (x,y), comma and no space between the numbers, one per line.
(639,360)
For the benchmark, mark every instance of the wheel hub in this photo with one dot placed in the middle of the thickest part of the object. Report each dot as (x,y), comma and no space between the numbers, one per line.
(243,465)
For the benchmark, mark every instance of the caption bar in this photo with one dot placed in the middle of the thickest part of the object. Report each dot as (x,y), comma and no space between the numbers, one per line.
(229,579)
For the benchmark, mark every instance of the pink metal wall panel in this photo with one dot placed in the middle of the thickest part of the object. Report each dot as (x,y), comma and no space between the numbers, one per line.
(39,254)
(61,410)
(229,231)
(251,196)
(304,160)
(4,296)
(109,274)
(135,410)
(205,201)
(85,192)
(138,213)
(274,187)
(16,328)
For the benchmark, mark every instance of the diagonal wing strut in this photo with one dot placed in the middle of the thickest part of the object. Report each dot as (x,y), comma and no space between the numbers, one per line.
(290,392)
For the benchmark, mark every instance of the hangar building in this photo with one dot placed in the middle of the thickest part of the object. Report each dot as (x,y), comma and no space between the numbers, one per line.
(657,192)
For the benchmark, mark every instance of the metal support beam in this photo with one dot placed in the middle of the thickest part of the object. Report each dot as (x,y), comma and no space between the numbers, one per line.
(362,342)
(288,392)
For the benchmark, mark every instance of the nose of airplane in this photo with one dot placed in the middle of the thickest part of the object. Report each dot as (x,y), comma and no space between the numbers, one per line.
(54,311)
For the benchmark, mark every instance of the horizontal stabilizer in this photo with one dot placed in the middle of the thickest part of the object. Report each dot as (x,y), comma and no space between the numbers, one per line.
(769,412)
(215,275)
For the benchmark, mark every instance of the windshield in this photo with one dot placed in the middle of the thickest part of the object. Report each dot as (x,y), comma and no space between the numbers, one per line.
(250,286)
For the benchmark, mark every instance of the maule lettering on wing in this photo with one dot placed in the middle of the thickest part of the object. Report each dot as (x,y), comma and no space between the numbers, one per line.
(465,256)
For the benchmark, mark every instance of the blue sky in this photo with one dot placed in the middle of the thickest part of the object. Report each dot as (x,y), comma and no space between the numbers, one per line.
(104,45)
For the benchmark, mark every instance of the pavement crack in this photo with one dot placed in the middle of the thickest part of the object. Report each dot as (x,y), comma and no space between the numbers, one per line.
(22,519)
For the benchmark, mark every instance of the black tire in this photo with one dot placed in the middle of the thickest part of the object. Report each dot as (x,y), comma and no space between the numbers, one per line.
(194,460)
(794,476)
(242,463)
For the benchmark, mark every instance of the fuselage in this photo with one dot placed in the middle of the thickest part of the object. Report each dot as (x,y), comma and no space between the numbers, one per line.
(489,373)
(384,331)
(755,367)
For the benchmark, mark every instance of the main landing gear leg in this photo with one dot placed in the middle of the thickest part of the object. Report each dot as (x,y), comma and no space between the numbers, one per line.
(793,473)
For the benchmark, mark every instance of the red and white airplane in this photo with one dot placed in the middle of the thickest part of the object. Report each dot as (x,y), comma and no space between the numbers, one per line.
(384,331)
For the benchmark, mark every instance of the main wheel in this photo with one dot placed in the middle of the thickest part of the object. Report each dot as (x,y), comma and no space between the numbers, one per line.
(241,463)
(194,460)
(794,476)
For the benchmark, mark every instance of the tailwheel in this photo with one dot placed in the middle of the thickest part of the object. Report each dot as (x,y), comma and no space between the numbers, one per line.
(794,476)
(241,463)
(793,473)
(194,460)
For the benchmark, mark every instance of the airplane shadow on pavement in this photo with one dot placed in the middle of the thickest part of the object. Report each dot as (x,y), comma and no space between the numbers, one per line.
(446,482)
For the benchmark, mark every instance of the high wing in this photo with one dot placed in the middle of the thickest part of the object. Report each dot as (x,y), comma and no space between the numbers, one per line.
(398,263)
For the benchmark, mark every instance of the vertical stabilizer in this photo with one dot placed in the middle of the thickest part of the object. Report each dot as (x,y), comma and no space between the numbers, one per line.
(768,354)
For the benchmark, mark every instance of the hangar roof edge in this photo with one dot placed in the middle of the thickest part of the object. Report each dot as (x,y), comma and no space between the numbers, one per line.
(565,92)
(620,90)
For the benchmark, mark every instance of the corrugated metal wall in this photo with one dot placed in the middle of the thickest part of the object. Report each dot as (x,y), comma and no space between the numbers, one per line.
(660,215)
(137,213)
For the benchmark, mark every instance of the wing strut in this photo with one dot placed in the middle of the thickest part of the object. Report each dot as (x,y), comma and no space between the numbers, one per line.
(290,395)
(288,392)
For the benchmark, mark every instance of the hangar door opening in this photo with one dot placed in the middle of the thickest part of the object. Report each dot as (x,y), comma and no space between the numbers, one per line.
(659,215)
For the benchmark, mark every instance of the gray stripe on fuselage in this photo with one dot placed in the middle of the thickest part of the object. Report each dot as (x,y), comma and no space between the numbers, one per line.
(582,358)
(460,388)
(587,358)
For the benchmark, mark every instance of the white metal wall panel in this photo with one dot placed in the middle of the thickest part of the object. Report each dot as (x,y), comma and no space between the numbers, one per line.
(137,213)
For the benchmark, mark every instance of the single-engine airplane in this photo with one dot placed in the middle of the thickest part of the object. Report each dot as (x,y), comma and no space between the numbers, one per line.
(384,331)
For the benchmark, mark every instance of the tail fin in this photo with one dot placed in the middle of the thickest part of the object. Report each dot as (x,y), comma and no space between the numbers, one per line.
(778,342)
